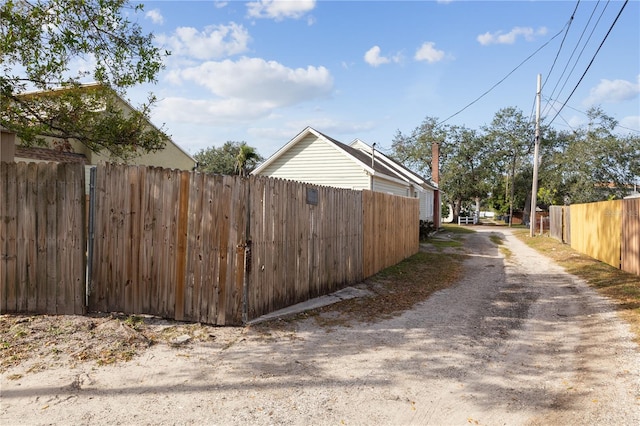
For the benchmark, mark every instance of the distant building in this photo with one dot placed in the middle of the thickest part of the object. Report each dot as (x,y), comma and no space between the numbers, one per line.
(316,158)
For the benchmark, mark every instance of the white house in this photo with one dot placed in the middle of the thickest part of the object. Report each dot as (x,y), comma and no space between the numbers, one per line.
(316,158)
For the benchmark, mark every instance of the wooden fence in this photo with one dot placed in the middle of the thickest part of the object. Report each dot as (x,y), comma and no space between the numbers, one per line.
(224,250)
(166,244)
(596,230)
(630,247)
(215,249)
(42,238)
(560,223)
(389,230)
(608,231)
(556,222)
(306,241)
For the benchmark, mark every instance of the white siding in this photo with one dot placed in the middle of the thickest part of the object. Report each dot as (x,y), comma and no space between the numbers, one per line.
(389,187)
(426,205)
(316,161)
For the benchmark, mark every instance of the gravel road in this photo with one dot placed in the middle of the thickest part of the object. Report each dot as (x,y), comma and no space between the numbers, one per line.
(516,342)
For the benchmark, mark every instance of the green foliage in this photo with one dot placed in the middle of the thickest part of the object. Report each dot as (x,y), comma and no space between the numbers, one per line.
(246,159)
(229,159)
(591,164)
(496,163)
(465,163)
(512,140)
(41,44)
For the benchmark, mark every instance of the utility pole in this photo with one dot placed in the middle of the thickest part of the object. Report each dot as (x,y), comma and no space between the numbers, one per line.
(534,184)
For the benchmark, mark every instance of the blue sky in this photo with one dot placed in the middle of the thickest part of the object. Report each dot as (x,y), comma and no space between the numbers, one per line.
(262,71)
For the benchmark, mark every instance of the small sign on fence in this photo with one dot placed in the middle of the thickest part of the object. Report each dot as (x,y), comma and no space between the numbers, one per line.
(312,196)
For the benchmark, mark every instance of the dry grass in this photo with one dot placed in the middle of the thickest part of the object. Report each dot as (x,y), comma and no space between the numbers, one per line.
(394,290)
(621,287)
(45,341)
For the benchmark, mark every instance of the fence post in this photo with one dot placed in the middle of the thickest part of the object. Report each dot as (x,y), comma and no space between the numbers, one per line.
(90,232)
(247,255)
(181,242)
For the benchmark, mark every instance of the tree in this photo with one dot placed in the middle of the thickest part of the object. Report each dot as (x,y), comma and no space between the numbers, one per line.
(41,44)
(511,137)
(590,164)
(231,158)
(464,165)
(246,159)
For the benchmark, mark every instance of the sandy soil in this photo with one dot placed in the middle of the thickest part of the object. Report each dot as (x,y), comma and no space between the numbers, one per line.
(517,341)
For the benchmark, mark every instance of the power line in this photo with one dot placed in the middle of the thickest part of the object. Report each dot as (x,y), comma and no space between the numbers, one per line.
(503,79)
(568,26)
(586,114)
(549,102)
(581,51)
(591,62)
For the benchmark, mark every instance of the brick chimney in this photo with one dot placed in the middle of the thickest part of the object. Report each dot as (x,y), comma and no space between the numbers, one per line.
(435,162)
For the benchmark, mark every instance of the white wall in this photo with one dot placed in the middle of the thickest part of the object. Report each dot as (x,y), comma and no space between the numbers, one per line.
(315,161)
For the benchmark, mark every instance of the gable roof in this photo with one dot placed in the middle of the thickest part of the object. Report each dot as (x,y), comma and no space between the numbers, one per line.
(49,155)
(360,153)
(396,167)
(123,101)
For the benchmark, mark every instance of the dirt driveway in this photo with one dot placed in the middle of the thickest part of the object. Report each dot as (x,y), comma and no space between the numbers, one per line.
(517,341)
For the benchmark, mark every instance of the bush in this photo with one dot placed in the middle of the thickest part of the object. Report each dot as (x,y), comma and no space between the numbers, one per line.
(427,227)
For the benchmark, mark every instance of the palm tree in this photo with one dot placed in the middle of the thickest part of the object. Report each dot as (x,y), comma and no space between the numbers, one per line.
(246,159)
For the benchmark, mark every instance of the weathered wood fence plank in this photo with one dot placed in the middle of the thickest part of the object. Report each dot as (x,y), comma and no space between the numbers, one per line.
(42,239)
(189,246)
(630,250)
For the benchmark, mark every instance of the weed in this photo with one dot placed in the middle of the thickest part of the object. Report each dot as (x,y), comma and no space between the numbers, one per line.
(134,322)
(496,239)
(506,252)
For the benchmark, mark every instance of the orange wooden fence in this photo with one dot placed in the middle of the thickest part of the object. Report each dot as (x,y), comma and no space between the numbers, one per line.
(608,231)
(630,249)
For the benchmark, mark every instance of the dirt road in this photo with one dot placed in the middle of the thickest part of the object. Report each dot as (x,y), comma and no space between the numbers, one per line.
(517,341)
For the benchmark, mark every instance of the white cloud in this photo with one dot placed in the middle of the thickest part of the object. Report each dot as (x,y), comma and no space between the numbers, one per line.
(257,80)
(498,37)
(428,52)
(210,111)
(631,122)
(213,42)
(218,4)
(288,129)
(280,9)
(613,91)
(243,90)
(373,58)
(155,16)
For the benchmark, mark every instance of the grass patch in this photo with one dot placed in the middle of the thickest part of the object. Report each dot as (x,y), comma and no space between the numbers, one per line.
(497,240)
(505,252)
(395,290)
(441,244)
(621,287)
(450,236)
(457,229)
